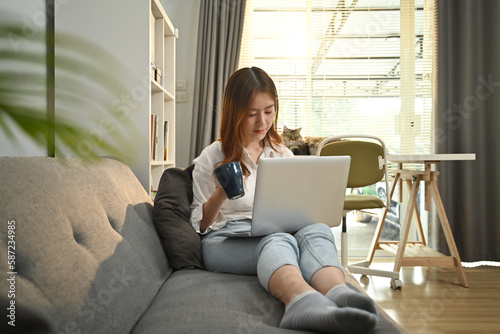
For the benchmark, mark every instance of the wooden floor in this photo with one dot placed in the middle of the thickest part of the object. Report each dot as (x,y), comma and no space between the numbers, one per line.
(433,301)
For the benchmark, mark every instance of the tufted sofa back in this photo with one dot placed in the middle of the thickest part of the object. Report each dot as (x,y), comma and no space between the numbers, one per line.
(87,255)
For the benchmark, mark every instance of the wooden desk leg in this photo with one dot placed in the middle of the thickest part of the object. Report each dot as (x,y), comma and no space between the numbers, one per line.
(400,167)
(428,196)
(448,234)
(420,230)
(380,225)
(405,224)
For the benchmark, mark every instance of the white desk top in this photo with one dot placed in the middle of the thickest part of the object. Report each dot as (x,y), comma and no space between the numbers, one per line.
(423,158)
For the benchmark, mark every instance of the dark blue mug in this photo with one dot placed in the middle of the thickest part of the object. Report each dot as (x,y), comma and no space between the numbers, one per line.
(230,178)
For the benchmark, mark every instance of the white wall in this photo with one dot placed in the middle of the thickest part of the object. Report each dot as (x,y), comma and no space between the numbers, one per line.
(184,16)
(107,89)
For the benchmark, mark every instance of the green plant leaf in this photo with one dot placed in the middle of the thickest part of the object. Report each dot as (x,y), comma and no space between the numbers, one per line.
(88,89)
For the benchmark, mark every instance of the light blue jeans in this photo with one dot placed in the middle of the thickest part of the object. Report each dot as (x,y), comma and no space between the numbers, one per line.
(309,249)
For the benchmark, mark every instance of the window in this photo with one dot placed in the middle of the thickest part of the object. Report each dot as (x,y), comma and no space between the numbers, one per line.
(353,66)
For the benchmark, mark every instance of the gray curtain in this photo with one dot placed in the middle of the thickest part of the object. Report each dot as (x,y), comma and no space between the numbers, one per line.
(468,121)
(219,41)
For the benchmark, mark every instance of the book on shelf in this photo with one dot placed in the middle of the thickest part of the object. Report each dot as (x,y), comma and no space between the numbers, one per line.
(154,137)
(165,141)
(152,134)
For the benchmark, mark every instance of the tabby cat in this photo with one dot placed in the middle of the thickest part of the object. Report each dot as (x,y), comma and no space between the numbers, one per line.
(300,145)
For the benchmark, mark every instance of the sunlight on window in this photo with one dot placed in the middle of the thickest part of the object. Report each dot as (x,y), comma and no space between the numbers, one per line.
(354,66)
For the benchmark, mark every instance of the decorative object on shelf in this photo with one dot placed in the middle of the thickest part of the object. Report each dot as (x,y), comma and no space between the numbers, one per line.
(158,75)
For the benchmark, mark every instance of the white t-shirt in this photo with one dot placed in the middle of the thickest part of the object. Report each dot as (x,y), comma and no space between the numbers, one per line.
(204,184)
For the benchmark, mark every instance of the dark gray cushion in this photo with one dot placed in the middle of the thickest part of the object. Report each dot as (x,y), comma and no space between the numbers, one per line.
(171,216)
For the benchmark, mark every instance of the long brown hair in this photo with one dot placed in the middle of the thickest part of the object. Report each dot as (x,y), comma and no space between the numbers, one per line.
(241,88)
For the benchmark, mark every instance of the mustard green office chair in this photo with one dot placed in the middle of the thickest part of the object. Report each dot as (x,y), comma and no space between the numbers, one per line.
(368,166)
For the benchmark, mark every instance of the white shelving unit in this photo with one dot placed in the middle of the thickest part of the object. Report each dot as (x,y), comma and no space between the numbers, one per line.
(162,52)
(133,33)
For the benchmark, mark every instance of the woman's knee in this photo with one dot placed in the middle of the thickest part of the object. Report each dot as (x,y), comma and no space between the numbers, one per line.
(275,251)
(279,240)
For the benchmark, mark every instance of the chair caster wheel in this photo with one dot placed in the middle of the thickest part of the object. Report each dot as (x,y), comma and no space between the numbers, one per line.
(364,279)
(396,284)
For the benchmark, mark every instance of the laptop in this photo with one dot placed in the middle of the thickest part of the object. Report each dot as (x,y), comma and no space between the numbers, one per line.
(292,193)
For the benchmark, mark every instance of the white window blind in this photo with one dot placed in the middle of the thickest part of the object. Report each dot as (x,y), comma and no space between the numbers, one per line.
(348,66)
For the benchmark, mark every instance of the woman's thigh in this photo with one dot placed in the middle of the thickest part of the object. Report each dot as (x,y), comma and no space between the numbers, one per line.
(231,255)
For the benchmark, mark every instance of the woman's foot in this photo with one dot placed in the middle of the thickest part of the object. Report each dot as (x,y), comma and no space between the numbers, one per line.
(344,296)
(312,311)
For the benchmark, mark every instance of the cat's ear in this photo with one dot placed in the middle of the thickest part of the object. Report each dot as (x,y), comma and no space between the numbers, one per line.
(285,128)
(298,130)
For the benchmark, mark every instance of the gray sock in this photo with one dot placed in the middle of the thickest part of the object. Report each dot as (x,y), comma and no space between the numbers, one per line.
(312,311)
(344,296)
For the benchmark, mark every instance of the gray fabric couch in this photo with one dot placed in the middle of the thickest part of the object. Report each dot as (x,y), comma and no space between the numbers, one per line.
(88,258)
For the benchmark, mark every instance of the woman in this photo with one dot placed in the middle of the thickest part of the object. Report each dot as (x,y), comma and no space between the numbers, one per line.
(302,270)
